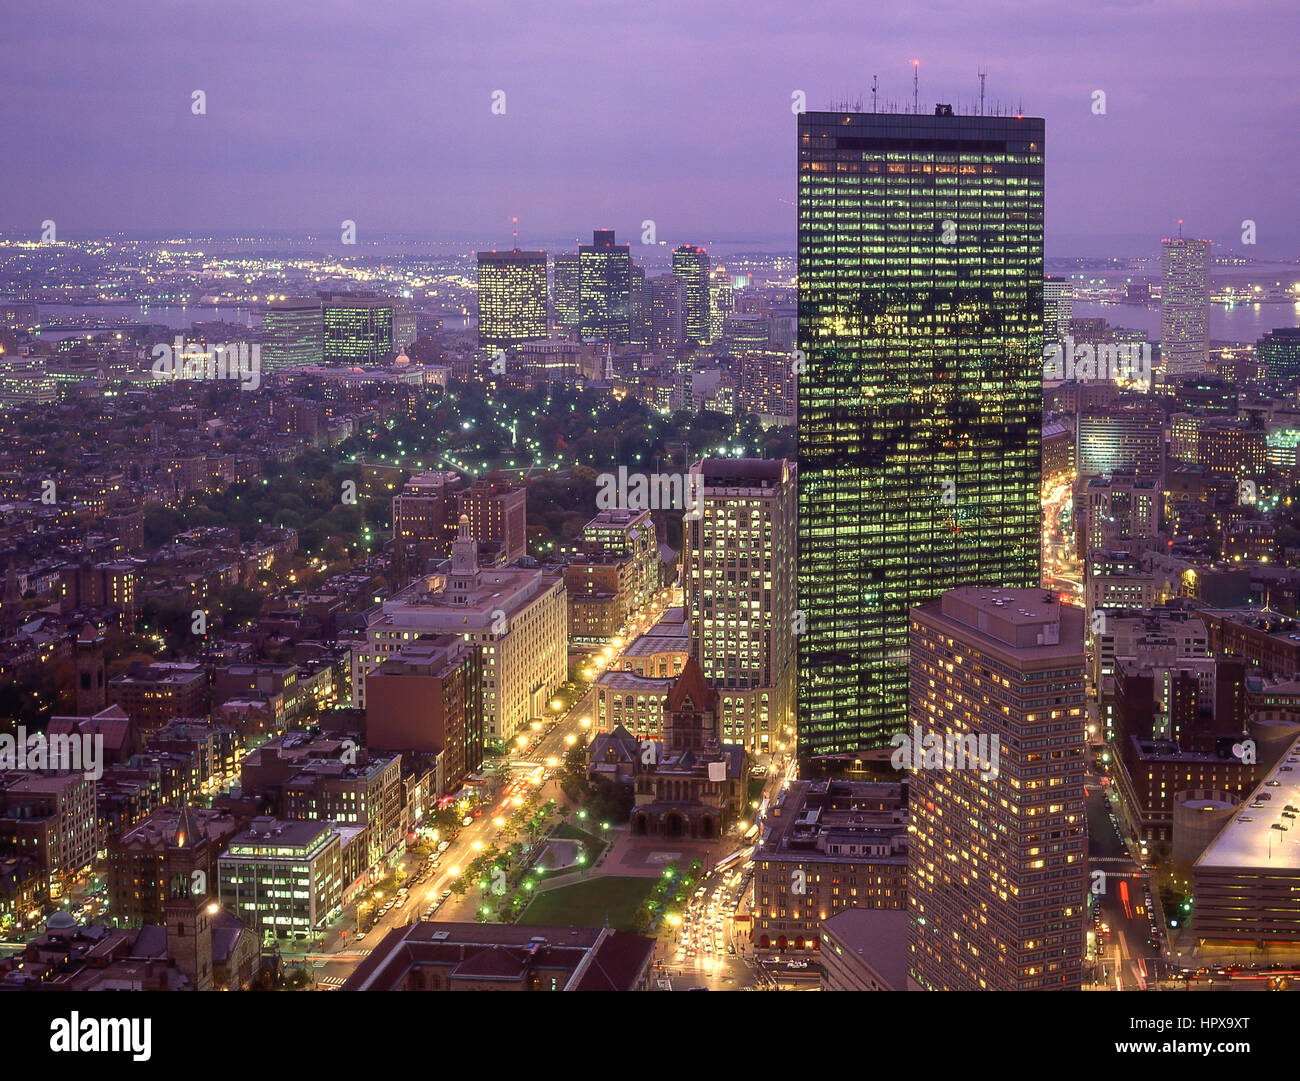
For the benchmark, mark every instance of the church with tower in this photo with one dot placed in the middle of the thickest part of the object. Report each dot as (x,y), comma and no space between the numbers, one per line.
(689,784)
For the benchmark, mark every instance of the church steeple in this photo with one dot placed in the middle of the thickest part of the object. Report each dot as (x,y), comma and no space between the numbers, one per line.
(189,905)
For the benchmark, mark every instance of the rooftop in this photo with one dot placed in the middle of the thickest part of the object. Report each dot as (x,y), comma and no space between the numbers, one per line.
(1265,831)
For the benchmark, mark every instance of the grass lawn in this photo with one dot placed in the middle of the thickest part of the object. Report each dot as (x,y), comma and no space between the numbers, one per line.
(586,904)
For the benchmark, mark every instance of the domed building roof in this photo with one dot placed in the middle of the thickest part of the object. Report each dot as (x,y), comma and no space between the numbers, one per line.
(61,921)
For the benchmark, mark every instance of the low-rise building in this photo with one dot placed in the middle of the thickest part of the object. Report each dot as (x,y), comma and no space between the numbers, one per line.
(283,877)
(828,846)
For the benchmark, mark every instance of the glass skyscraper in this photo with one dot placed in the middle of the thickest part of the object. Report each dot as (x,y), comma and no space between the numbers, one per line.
(605,289)
(691,264)
(567,308)
(920,254)
(293,334)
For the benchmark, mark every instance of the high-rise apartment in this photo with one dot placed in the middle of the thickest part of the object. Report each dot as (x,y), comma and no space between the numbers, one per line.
(997,862)
(665,300)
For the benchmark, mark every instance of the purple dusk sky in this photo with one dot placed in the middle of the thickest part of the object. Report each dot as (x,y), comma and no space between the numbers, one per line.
(618,111)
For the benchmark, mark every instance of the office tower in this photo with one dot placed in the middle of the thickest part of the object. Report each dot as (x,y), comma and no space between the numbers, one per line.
(1058,308)
(511,298)
(722,302)
(665,301)
(1278,354)
(364,329)
(293,334)
(738,574)
(605,289)
(997,862)
(1185,306)
(691,265)
(495,509)
(568,312)
(920,406)
(1120,440)
(628,534)
(638,318)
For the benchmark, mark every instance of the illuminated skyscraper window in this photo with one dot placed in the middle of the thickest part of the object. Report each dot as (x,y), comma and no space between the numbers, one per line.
(921,326)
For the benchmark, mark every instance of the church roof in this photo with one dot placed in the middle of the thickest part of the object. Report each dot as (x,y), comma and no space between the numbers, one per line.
(693,687)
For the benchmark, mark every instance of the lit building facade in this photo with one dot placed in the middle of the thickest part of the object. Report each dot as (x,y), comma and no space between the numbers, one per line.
(920,259)
(738,559)
(293,334)
(511,298)
(605,289)
(691,265)
(997,864)
(1185,306)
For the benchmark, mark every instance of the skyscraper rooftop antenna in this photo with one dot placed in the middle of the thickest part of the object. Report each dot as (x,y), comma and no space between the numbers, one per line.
(515,223)
(916,86)
(875,85)
(982,74)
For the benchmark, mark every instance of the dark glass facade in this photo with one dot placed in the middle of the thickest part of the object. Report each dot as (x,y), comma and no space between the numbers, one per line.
(920,254)
(605,289)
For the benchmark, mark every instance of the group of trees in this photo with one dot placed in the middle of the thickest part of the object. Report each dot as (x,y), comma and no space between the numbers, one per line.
(603,799)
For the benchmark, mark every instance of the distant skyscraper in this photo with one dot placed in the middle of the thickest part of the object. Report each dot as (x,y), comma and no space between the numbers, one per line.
(605,289)
(920,408)
(1278,353)
(665,300)
(639,316)
(363,329)
(293,333)
(738,572)
(568,315)
(997,860)
(511,297)
(691,265)
(1058,308)
(722,302)
(1185,306)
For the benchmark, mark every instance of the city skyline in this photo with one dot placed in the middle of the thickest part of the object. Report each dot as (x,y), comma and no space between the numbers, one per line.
(795,578)
(298,151)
